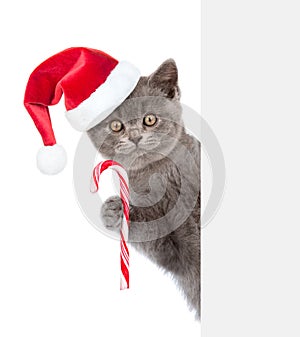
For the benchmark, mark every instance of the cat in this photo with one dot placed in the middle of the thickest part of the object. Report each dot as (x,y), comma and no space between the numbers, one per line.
(146,135)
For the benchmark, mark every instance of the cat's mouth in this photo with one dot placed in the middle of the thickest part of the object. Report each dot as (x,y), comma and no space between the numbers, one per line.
(140,148)
(138,151)
(138,157)
(150,145)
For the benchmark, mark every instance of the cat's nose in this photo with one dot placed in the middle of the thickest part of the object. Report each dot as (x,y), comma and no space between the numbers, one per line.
(135,140)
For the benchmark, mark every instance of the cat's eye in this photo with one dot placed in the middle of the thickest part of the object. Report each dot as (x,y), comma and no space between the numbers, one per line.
(150,120)
(116,126)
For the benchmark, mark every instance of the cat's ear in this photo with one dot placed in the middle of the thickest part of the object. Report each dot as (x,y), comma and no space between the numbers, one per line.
(165,78)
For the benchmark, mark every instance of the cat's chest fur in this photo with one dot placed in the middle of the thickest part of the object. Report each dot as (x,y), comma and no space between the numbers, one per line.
(157,186)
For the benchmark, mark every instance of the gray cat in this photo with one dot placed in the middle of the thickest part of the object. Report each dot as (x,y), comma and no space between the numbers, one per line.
(147,136)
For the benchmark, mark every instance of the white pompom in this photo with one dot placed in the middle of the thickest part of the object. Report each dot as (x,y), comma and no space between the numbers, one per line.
(51,159)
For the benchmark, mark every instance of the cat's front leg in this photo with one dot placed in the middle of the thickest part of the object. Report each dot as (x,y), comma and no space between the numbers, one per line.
(112,213)
(112,217)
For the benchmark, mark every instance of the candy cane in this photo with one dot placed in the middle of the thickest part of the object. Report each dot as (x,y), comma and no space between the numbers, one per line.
(124,194)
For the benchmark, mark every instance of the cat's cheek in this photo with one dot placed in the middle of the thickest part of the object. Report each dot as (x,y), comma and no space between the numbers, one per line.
(106,151)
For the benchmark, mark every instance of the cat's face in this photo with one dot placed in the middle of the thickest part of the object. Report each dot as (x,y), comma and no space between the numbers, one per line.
(147,125)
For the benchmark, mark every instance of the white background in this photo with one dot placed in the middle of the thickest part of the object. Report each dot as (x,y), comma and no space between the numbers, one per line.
(250,276)
(54,265)
(59,276)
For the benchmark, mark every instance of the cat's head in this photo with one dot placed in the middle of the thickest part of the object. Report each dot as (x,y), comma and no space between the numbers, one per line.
(147,125)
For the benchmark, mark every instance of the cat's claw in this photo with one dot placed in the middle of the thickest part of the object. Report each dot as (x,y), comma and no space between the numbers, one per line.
(112,213)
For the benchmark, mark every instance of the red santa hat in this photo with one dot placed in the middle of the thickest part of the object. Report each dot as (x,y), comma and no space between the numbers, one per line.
(93,84)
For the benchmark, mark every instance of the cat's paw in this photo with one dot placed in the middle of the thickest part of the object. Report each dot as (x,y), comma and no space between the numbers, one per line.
(112,213)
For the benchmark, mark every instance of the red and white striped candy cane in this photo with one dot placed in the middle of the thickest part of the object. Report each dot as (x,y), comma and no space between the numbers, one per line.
(124,194)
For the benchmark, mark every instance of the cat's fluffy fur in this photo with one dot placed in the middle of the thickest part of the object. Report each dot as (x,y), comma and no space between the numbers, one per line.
(163,165)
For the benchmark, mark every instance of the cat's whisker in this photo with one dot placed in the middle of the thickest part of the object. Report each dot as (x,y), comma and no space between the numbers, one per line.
(124,147)
(149,144)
